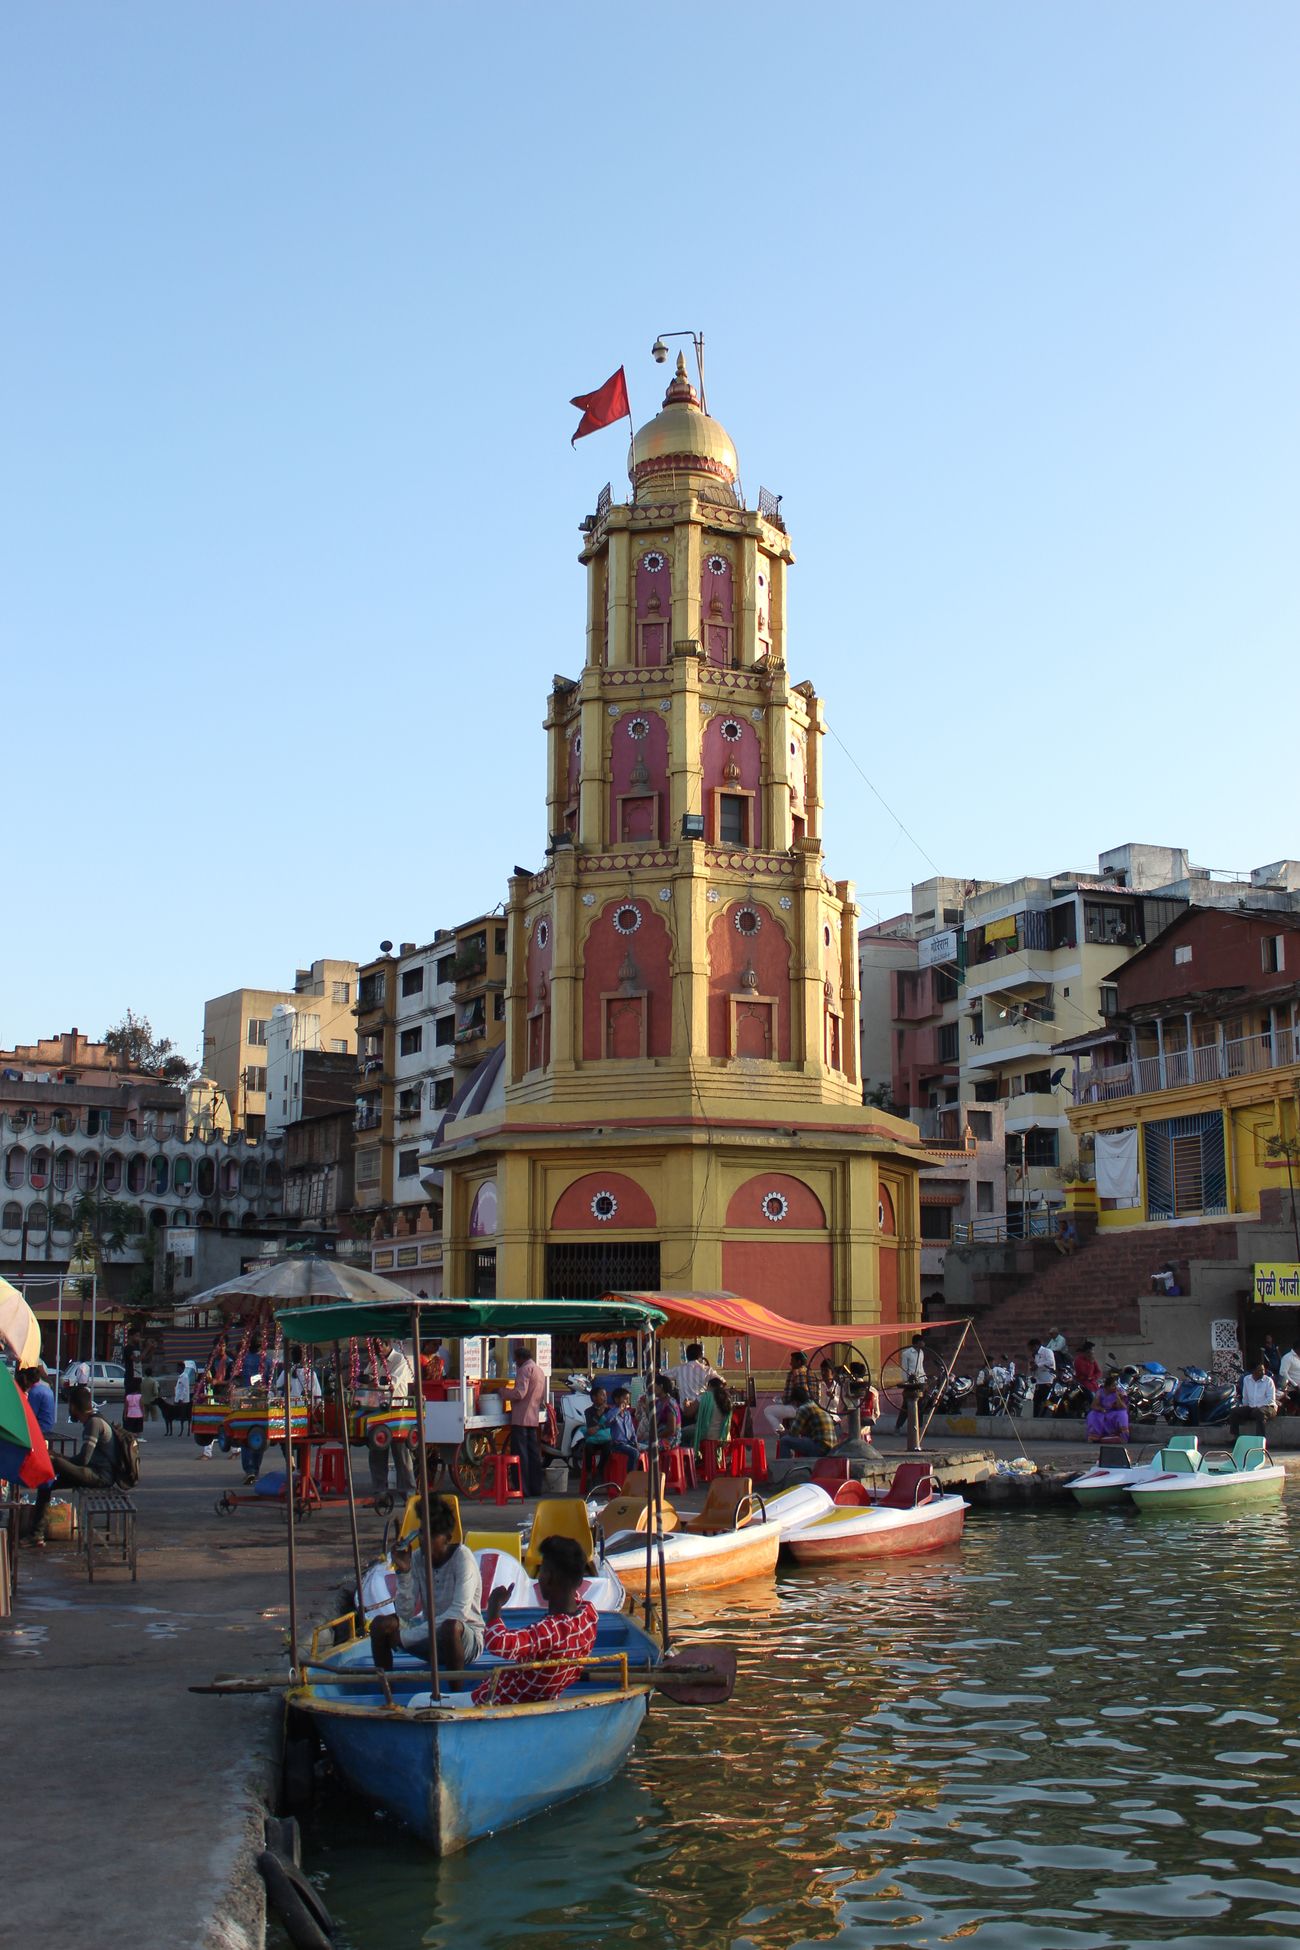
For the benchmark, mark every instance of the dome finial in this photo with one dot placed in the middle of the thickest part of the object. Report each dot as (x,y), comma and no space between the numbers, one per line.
(680,390)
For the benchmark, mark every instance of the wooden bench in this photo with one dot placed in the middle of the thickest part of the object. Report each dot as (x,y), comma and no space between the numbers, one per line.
(106,1520)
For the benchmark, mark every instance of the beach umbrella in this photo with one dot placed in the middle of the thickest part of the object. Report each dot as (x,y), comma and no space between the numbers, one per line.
(24,1457)
(302,1276)
(20,1330)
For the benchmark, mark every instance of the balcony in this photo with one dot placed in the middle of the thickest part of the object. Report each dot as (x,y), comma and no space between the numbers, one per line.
(1178,1069)
(367,1120)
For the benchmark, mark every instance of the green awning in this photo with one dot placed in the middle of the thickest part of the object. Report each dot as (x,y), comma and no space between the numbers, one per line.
(455,1320)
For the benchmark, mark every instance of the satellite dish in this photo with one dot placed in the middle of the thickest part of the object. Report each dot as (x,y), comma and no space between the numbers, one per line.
(1056,1078)
(385,947)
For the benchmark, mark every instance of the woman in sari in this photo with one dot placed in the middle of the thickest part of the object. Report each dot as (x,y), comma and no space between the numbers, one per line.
(713,1419)
(1108,1417)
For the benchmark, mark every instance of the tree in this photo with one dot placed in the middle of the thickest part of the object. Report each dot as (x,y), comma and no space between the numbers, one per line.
(112,1222)
(881,1097)
(134,1046)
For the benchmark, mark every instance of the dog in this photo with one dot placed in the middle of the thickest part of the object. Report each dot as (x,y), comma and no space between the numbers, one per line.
(175,1414)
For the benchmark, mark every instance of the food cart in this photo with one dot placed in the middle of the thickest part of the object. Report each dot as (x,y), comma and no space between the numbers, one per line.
(469,1413)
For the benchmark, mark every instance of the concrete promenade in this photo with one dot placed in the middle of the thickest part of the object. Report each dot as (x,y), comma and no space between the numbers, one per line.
(132,1807)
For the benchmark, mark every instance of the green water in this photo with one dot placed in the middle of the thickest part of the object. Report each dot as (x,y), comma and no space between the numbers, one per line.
(1076,1731)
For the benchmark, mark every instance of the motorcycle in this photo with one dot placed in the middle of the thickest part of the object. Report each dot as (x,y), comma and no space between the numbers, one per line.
(1153,1388)
(1184,1405)
(1002,1392)
(952,1396)
(573,1408)
(1219,1401)
(1068,1398)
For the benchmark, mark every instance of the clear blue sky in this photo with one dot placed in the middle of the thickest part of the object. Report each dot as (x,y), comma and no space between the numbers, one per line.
(1001,298)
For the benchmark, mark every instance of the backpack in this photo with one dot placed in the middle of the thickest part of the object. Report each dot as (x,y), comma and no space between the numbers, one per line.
(126,1463)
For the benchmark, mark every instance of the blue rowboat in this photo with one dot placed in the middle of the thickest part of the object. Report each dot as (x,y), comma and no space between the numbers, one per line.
(453,1774)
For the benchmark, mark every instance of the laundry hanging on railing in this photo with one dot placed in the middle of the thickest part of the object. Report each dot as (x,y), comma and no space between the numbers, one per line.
(1117,1165)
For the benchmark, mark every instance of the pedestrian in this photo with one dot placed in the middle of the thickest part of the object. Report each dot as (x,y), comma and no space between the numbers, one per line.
(149,1394)
(528,1399)
(1042,1364)
(181,1395)
(40,1397)
(133,1409)
(912,1363)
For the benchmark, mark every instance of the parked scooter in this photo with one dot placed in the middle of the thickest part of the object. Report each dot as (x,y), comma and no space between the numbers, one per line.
(1149,1393)
(1185,1404)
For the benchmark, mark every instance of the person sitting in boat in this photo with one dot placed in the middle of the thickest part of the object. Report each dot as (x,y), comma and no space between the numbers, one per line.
(568,1630)
(713,1413)
(812,1432)
(457,1589)
(1107,1419)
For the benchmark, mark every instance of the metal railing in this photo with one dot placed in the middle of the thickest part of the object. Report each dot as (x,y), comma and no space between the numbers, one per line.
(1213,1063)
(1000,1226)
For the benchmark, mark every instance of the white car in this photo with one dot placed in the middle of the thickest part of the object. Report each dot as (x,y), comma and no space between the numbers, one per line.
(107,1379)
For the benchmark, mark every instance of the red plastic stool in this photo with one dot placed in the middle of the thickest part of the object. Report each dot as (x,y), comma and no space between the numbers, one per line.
(679,1470)
(328,1470)
(497,1484)
(750,1457)
(597,1467)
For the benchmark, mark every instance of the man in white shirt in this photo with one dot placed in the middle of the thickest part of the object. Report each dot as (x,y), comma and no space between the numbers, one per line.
(400,1372)
(1043,1361)
(1288,1374)
(691,1377)
(1258,1400)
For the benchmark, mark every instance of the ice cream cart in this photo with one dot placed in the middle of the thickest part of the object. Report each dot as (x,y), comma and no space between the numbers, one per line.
(469,1414)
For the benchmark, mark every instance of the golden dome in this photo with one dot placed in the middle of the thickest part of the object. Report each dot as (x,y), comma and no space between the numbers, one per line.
(681,439)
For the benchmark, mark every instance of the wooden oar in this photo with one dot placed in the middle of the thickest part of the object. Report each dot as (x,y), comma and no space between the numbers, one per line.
(702,1675)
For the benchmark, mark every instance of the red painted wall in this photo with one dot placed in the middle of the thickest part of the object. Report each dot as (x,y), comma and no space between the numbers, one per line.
(573,1211)
(1226,953)
(717,752)
(654,608)
(769,951)
(792,1276)
(602,957)
(624,751)
(804,1213)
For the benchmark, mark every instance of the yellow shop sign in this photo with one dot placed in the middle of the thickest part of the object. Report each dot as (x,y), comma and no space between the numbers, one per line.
(1278,1285)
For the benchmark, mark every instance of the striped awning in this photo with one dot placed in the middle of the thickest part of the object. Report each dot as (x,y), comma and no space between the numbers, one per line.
(693,1314)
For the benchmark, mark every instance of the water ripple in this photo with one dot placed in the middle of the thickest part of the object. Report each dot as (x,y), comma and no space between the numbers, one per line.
(1050,1740)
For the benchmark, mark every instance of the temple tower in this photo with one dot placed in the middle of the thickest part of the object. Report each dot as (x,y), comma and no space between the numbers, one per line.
(679,1103)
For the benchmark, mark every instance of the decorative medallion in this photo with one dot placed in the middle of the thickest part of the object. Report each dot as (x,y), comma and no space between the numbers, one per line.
(613,710)
(543,933)
(665,893)
(627,919)
(774,1206)
(652,561)
(717,565)
(713,894)
(826,935)
(786,901)
(880,1216)
(748,920)
(577,746)
(762,582)
(731,730)
(603,1207)
(589,900)
(528,923)
(757,714)
(638,727)
(665,706)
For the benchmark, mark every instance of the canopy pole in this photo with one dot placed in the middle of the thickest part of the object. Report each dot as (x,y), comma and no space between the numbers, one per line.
(347,1477)
(655,1528)
(58,1338)
(289,1488)
(425,1523)
(951,1365)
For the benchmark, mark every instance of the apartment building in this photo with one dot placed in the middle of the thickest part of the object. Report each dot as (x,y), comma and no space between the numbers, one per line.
(426,1015)
(235,1028)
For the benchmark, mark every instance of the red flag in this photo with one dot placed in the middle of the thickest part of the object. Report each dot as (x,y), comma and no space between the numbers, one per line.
(601,408)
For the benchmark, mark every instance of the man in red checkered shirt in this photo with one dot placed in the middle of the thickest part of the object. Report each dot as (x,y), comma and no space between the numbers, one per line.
(567,1632)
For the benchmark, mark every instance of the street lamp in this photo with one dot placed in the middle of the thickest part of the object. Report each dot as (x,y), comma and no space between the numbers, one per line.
(659,353)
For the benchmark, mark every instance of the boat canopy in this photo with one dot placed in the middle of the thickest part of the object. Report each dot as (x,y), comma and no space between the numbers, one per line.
(690,1315)
(455,1320)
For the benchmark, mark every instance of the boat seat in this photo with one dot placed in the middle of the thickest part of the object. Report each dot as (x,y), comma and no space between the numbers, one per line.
(411,1515)
(631,1513)
(1248,1452)
(1113,1455)
(850,1494)
(1181,1462)
(829,1470)
(505,1541)
(913,1485)
(728,1506)
(1183,1442)
(560,1516)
